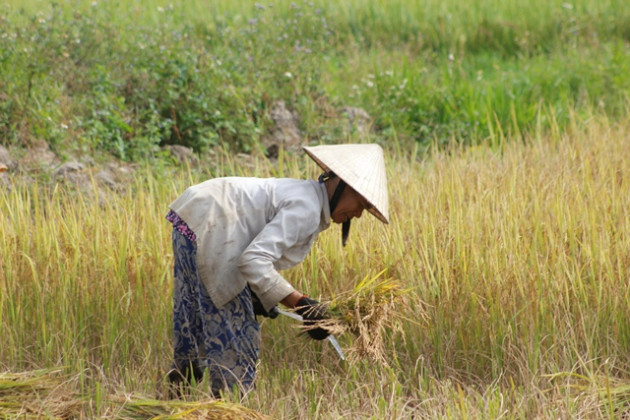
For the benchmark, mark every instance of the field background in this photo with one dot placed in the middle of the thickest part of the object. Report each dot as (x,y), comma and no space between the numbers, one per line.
(506,134)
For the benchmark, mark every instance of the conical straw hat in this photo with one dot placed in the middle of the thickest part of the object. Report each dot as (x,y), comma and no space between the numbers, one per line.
(362,167)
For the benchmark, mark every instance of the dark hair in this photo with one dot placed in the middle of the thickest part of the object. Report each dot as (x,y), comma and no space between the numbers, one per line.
(334,200)
(325,176)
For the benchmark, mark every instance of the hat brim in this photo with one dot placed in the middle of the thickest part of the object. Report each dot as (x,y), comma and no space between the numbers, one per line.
(373,207)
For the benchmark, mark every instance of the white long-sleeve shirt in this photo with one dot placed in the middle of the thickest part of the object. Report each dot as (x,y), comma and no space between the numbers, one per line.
(249,228)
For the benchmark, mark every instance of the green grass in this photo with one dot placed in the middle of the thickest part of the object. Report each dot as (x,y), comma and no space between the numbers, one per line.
(127,77)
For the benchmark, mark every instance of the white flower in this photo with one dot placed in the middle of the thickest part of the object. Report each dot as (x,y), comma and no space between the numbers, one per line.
(288,75)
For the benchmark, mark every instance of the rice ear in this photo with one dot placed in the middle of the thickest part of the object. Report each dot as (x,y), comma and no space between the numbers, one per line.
(373,309)
(39,393)
(140,407)
(47,393)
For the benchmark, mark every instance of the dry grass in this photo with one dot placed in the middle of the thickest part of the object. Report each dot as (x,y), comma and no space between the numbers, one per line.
(42,393)
(139,407)
(48,393)
(603,394)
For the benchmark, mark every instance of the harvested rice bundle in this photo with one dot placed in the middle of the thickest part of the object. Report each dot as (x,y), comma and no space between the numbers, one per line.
(39,393)
(144,408)
(373,307)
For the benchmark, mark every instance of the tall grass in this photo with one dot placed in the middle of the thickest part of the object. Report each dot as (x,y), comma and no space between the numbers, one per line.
(516,254)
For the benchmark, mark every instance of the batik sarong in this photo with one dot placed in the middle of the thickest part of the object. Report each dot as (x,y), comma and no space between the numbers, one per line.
(224,341)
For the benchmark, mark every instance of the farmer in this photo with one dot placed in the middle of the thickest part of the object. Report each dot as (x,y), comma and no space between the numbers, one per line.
(230,238)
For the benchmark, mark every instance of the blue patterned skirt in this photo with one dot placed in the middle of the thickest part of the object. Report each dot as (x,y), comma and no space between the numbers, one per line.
(224,341)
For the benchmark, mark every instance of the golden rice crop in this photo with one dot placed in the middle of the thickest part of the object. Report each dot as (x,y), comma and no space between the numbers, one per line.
(516,257)
(138,407)
(372,308)
(38,393)
(48,393)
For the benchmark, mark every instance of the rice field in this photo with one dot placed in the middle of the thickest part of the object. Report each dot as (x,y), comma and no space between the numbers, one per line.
(514,257)
(500,289)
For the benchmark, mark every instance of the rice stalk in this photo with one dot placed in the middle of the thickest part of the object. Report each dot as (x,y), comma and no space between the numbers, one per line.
(39,393)
(138,407)
(605,393)
(373,308)
(47,393)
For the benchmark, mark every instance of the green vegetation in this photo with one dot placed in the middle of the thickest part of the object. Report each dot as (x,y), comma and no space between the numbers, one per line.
(127,77)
